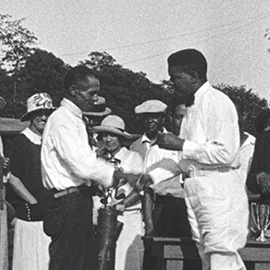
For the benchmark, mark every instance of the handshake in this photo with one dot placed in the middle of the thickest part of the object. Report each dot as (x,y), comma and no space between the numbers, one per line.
(138,181)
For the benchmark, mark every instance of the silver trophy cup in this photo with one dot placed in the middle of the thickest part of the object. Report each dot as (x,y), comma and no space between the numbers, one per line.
(261,217)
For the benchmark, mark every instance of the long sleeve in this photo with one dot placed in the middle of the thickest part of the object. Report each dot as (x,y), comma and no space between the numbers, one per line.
(67,159)
(215,141)
(79,158)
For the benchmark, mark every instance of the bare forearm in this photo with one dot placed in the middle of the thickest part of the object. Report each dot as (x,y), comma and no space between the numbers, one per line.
(147,211)
(21,190)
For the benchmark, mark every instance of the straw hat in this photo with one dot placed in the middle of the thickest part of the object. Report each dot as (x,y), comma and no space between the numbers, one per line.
(99,108)
(39,101)
(113,124)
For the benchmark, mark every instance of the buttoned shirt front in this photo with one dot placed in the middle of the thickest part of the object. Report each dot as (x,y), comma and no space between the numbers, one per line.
(67,160)
(210,130)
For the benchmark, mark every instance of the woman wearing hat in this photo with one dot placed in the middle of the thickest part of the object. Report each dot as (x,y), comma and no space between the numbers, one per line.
(129,246)
(30,242)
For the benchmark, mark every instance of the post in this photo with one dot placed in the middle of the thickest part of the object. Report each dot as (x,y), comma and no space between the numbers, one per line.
(3,222)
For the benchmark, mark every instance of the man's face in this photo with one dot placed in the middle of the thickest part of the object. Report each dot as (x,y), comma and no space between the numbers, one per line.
(181,80)
(153,123)
(87,93)
(178,115)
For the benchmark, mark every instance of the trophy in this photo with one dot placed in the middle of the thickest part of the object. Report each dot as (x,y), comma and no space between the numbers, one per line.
(261,217)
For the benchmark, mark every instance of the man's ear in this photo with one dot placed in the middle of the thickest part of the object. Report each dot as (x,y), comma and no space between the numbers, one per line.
(194,77)
(163,119)
(72,90)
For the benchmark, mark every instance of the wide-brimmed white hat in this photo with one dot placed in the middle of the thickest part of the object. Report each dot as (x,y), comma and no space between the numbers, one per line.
(99,108)
(39,101)
(113,124)
(151,106)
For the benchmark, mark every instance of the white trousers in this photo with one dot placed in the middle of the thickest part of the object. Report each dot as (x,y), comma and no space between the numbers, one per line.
(218,214)
(31,246)
(129,246)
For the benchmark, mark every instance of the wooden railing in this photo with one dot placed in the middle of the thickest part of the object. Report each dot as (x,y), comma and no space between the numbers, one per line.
(174,250)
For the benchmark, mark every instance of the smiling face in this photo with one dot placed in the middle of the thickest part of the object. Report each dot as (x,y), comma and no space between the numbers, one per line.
(85,93)
(38,121)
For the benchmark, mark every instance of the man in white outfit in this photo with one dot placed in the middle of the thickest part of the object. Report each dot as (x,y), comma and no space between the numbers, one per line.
(209,139)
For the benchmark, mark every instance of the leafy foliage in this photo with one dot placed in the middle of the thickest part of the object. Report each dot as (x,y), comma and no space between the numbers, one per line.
(17,42)
(26,70)
(248,104)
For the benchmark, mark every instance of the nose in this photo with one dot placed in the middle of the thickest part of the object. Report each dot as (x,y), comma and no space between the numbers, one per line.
(107,138)
(150,119)
(95,97)
(44,117)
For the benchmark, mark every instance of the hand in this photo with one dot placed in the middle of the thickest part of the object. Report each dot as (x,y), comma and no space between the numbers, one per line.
(169,141)
(149,230)
(102,152)
(120,207)
(263,180)
(143,182)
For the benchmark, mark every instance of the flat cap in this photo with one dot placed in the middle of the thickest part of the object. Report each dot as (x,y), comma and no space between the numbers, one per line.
(151,106)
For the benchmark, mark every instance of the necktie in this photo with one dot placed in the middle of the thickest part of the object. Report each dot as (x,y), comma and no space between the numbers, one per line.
(89,131)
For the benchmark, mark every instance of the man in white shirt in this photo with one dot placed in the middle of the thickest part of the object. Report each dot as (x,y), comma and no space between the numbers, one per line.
(68,163)
(165,211)
(209,138)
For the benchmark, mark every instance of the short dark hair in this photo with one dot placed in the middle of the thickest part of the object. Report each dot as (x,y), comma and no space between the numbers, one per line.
(190,60)
(76,75)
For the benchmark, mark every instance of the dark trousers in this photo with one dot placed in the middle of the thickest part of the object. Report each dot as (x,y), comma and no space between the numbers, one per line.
(69,224)
(170,220)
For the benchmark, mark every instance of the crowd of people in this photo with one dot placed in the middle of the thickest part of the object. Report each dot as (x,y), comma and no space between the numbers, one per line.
(191,182)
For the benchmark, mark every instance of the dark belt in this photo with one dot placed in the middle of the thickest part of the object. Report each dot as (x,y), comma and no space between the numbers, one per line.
(57,194)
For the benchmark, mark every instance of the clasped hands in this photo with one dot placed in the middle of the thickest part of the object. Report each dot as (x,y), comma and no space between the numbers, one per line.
(138,181)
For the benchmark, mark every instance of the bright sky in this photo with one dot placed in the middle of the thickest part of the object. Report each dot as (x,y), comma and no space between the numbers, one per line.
(140,35)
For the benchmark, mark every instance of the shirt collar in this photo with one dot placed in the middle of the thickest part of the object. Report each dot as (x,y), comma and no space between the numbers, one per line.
(33,137)
(200,92)
(249,140)
(146,139)
(73,108)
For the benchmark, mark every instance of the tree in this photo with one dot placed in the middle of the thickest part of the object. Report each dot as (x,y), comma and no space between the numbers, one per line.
(17,42)
(43,72)
(97,60)
(17,45)
(248,104)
